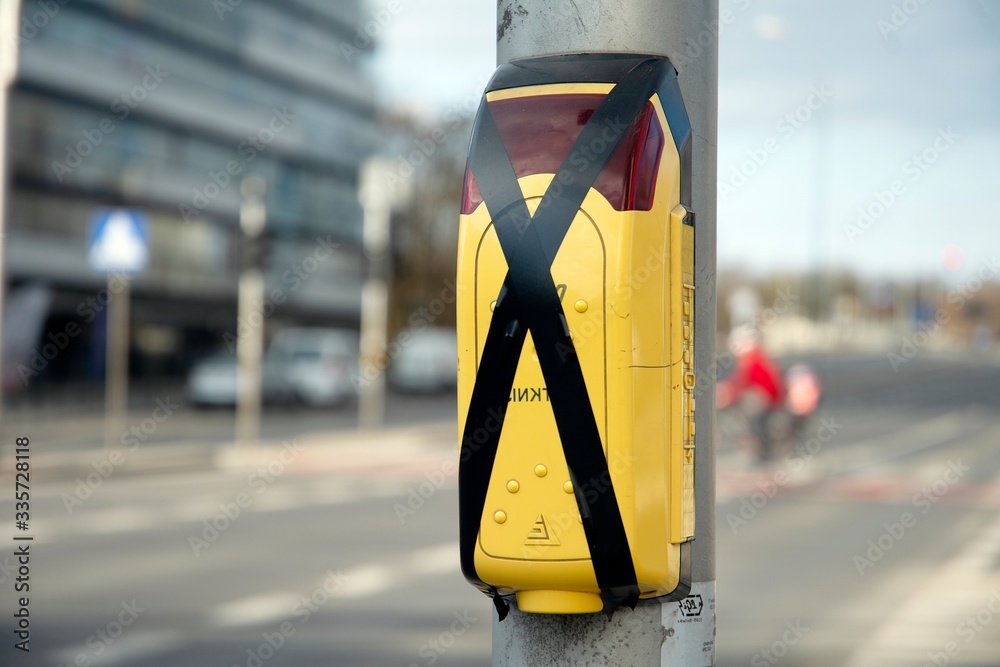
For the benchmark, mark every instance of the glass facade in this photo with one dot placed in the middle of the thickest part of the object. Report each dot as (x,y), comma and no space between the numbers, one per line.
(165,106)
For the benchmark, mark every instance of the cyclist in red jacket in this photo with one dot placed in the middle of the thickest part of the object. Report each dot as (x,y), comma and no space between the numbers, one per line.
(756,384)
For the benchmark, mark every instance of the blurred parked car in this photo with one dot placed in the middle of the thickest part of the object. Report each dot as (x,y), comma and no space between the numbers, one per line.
(312,366)
(318,363)
(426,361)
(212,381)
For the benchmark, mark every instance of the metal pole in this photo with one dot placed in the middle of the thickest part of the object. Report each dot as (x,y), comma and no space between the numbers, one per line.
(10,11)
(374,294)
(687,32)
(821,168)
(250,323)
(116,360)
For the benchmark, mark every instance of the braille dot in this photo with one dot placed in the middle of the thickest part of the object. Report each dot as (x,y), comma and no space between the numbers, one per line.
(493,305)
(541,470)
(513,486)
(581,306)
(499,516)
(568,487)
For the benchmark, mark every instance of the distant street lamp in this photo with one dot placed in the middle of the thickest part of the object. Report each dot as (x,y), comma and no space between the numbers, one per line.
(250,336)
(375,200)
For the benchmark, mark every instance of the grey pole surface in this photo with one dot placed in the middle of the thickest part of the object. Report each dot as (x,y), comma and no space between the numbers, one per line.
(687,32)
(116,362)
(250,341)
(374,292)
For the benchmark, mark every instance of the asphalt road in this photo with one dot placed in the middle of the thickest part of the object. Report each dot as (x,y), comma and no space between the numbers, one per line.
(883,542)
(313,561)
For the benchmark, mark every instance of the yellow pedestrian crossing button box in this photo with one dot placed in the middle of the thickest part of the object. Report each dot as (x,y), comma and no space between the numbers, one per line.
(576,336)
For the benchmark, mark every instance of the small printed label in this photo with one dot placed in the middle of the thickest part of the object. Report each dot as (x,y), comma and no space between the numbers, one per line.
(689,628)
(691,605)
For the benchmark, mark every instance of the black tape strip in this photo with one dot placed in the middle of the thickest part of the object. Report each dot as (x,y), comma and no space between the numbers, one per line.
(529,301)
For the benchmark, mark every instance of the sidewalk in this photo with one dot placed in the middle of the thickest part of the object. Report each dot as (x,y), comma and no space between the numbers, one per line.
(341,451)
(382,451)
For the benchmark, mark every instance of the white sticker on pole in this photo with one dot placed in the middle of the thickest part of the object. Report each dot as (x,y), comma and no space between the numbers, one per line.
(689,629)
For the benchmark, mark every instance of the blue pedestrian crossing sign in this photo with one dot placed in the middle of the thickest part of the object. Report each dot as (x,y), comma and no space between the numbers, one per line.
(119,241)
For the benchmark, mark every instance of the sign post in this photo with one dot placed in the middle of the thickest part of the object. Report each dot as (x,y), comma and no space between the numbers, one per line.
(119,248)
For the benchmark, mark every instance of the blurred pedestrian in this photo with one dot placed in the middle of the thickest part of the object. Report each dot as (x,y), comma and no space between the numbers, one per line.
(756,384)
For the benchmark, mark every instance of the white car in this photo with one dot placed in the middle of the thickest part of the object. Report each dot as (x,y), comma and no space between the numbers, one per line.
(318,363)
(212,381)
(427,360)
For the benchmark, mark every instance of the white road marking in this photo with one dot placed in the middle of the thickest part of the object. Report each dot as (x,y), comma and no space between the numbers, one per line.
(278,499)
(367,580)
(254,610)
(133,647)
(190,511)
(874,456)
(935,620)
(916,438)
(331,494)
(93,519)
(117,520)
(436,560)
(359,582)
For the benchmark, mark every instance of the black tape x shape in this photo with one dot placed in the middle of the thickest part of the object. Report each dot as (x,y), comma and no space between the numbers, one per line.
(529,301)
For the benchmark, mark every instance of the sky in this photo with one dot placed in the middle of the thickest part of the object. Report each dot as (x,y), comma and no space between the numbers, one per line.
(853,135)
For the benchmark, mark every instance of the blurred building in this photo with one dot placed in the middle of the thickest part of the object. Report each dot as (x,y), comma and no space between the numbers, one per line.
(164,106)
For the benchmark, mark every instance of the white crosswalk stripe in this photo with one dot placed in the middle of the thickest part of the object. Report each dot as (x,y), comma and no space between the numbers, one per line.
(952,620)
(362,581)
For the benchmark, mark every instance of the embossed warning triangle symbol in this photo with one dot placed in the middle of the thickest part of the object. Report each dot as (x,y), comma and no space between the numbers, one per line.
(540,534)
